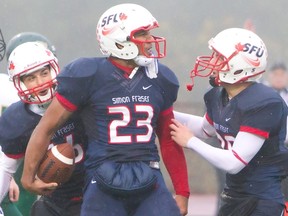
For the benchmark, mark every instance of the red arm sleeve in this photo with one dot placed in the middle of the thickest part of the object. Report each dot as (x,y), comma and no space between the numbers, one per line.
(172,154)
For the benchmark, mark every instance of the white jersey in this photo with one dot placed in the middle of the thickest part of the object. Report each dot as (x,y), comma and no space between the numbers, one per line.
(8,93)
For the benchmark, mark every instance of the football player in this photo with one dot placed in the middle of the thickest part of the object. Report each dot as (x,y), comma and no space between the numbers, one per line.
(278,79)
(248,118)
(33,69)
(24,37)
(8,95)
(26,199)
(125,99)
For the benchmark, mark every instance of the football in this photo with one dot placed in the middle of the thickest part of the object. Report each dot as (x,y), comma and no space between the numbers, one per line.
(57,164)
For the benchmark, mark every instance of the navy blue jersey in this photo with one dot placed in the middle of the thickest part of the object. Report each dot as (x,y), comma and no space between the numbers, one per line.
(120,114)
(261,111)
(16,126)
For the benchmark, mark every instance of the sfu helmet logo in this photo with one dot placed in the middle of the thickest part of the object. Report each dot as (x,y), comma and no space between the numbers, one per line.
(251,49)
(114,18)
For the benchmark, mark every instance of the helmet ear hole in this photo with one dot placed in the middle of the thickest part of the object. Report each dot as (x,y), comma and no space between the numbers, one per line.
(238,72)
(119,46)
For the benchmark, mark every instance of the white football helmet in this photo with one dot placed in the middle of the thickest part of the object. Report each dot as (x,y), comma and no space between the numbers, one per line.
(8,93)
(26,59)
(116,29)
(239,55)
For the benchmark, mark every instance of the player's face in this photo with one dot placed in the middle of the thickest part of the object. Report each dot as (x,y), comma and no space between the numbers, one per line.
(38,78)
(219,62)
(144,44)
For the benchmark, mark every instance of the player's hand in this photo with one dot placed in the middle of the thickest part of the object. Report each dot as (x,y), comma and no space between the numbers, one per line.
(180,133)
(182,203)
(13,191)
(39,187)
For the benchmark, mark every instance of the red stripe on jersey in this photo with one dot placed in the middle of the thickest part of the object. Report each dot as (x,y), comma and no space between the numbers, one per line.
(255,131)
(239,158)
(207,133)
(15,156)
(76,198)
(208,119)
(65,103)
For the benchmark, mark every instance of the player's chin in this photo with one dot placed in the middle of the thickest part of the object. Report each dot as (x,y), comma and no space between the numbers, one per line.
(148,53)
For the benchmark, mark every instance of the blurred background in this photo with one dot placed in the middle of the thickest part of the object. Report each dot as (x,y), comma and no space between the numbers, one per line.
(187,26)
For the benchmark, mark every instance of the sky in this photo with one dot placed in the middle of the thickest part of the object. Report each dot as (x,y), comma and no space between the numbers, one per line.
(187,25)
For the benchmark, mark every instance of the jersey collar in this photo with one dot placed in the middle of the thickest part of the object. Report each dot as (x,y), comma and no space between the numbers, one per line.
(127,70)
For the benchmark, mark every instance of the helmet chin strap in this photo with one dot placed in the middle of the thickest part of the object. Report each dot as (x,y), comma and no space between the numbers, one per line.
(39,108)
(213,82)
(143,60)
(150,64)
(46,98)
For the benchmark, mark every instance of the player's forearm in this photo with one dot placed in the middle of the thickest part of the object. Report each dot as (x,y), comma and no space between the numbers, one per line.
(36,149)
(39,141)
(245,147)
(8,167)
(173,155)
(196,124)
(222,159)
(175,163)
(5,179)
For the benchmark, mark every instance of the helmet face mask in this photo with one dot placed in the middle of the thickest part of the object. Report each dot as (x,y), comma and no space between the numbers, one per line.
(29,58)
(157,44)
(2,46)
(206,65)
(118,26)
(238,55)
